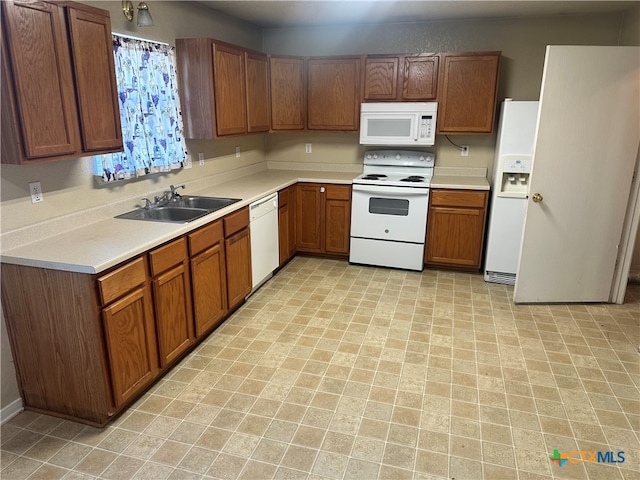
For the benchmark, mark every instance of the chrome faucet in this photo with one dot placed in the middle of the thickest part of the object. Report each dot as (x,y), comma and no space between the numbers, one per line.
(173,188)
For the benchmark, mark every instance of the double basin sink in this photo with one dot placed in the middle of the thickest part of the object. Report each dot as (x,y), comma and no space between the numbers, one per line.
(181,209)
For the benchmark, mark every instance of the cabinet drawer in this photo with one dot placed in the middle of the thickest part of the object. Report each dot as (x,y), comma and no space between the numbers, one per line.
(459,198)
(236,221)
(205,237)
(338,192)
(120,281)
(166,257)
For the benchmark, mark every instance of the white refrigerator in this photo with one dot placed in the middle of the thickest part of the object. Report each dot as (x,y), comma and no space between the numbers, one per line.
(510,189)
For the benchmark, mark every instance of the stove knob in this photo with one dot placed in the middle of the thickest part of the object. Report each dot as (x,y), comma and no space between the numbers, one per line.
(422,158)
(375,155)
(398,157)
(368,155)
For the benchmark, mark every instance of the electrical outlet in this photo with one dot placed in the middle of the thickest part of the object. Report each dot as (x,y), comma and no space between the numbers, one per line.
(36,192)
(307,148)
(465,151)
(237,152)
(187,162)
(201,159)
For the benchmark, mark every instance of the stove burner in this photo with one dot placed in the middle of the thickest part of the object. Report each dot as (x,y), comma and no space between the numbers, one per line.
(374,176)
(413,178)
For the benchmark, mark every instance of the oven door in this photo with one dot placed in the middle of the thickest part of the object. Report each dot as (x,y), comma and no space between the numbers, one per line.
(389,213)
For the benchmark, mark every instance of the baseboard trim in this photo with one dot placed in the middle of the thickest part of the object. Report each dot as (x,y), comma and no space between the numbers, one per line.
(10,411)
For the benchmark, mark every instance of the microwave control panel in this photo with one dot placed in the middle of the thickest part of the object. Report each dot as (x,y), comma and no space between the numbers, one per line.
(426,126)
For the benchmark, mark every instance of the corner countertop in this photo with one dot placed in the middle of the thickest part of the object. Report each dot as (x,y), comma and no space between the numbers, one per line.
(473,178)
(95,245)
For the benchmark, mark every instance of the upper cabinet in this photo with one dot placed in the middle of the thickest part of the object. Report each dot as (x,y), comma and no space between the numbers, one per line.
(334,93)
(288,101)
(401,77)
(229,90)
(223,89)
(419,77)
(257,81)
(59,95)
(467,92)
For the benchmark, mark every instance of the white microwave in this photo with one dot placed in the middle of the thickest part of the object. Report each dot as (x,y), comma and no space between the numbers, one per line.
(398,123)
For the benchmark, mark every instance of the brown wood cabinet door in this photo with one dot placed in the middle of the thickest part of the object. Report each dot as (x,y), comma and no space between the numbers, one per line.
(467,93)
(455,236)
(419,77)
(209,282)
(258,109)
(334,93)
(43,78)
(238,257)
(293,222)
(283,234)
(195,82)
(131,344)
(309,218)
(174,320)
(286,77)
(337,219)
(337,226)
(229,81)
(95,81)
(381,78)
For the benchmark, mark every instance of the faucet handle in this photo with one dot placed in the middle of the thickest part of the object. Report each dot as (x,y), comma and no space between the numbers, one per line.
(147,203)
(174,188)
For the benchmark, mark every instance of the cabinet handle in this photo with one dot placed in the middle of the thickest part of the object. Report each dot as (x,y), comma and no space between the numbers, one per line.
(321,189)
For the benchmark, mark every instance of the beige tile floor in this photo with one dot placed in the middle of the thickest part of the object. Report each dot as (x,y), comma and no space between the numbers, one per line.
(333,371)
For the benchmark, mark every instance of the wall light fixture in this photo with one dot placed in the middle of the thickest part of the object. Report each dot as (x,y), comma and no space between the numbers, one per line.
(144,16)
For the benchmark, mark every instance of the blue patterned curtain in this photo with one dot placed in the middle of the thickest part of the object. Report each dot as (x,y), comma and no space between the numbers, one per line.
(149,112)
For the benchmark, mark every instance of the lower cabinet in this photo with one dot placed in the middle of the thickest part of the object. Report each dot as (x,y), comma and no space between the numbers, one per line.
(337,219)
(287,223)
(208,277)
(85,346)
(129,330)
(172,300)
(237,245)
(455,228)
(323,218)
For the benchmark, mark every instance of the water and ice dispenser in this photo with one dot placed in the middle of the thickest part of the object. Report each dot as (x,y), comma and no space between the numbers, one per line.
(515,171)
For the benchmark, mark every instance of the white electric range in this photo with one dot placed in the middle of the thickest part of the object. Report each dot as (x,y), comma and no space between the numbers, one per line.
(389,209)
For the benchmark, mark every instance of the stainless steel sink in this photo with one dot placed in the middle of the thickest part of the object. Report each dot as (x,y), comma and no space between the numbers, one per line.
(165,214)
(180,209)
(208,203)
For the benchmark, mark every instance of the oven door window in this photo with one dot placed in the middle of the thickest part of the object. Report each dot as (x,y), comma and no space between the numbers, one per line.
(389,206)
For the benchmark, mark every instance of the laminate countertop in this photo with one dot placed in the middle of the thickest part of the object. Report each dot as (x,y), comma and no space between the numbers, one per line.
(93,247)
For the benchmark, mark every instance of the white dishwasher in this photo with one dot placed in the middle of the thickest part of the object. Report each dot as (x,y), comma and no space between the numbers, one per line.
(263,217)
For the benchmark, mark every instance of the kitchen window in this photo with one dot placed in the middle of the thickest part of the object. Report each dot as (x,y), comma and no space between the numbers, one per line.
(152,130)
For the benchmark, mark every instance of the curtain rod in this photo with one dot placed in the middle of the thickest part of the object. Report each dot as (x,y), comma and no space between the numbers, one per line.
(138,38)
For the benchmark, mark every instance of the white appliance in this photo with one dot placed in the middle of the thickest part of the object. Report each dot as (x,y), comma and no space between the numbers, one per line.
(263,225)
(512,167)
(398,123)
(389,207)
